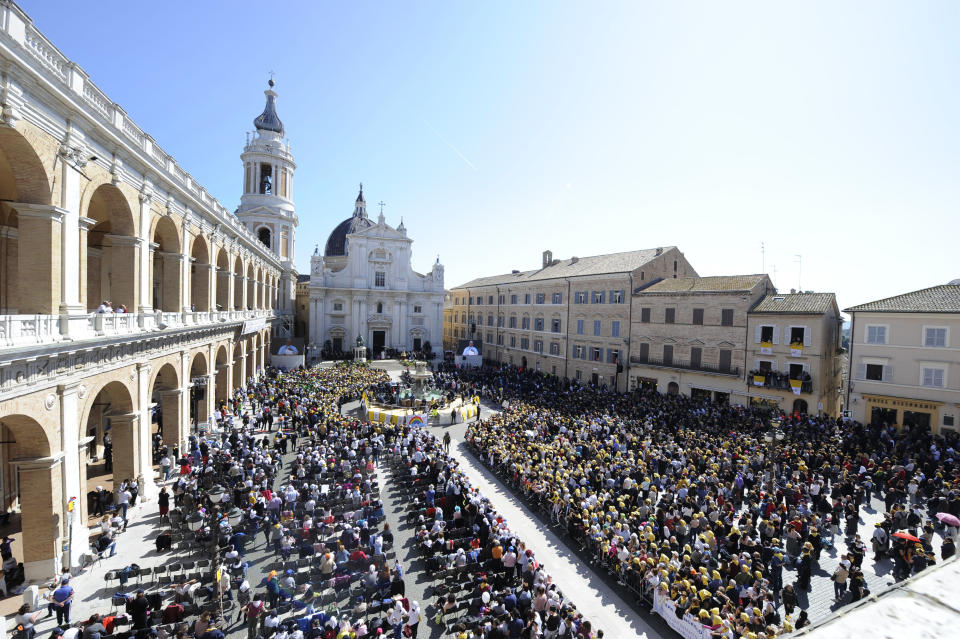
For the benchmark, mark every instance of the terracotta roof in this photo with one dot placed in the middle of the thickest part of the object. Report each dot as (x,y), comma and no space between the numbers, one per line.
(574,267)
(936,299)
(796,303)
(712,284)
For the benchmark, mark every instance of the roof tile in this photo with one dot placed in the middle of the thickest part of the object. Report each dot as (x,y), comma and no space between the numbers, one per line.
(936,299)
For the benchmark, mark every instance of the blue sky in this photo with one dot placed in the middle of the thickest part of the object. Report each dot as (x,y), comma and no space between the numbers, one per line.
(500,129)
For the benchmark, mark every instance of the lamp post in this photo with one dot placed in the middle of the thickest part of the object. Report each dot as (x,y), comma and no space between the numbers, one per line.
(772,438)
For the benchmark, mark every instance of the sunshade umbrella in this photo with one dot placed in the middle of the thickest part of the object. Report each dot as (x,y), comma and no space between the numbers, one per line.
(907,536)
(948,519)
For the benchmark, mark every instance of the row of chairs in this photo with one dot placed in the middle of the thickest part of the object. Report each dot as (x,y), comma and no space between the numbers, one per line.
(164,575)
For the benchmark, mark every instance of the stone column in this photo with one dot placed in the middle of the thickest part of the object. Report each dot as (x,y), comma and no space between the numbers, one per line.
(85,224)
(209,402)
(74,471)
(240,364)
(124,270)
(146,257)
(73,310)
(172,279)
(40,258)
(175,427)
(224,381)
(42,513)
(126,445)
(9,256)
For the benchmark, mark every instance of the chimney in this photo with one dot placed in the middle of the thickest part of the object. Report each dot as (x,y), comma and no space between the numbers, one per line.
(659,250)
(547,258)
(514,271)
(574,259)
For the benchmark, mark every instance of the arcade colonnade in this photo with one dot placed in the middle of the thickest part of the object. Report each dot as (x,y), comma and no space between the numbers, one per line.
(93,209)
(51,434)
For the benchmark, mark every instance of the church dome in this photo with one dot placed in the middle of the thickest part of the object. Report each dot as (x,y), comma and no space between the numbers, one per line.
(337,242)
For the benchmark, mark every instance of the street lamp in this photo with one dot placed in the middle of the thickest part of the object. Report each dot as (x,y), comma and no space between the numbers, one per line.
(195,521)
(216,493)
(234,517)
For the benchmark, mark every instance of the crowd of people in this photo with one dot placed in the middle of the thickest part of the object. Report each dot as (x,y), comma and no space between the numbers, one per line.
(507,592)
(708,505)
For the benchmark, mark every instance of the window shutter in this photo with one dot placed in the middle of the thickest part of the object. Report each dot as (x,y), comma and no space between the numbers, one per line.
(776,334)
(887,373)
(807,337)
(756,334)
(806,368)
(861,371)
(756,364)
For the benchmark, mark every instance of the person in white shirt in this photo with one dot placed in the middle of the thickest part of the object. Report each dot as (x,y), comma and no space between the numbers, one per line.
(288,349)
(105,307)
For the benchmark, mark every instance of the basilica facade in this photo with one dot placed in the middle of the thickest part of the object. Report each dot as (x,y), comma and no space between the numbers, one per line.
(364,286)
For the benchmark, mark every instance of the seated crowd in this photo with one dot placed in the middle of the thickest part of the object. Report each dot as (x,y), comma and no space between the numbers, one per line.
(492,586)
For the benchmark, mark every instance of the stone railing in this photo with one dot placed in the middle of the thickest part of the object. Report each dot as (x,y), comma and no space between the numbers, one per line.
(25,330)
(31,330)
(44,59)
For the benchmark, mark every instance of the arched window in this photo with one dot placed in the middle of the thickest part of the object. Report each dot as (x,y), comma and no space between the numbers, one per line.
(264,236)
(379,307)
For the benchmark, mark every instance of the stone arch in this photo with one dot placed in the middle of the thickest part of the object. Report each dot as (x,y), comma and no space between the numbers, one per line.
(200,274)
(112,420)
(23,178)
(265,235)
(222,367)
(199,370)
(673,388)
(112,263)
(223,280)
(165,276)
(166,392)
(238,284)
(37,481)
(800,406)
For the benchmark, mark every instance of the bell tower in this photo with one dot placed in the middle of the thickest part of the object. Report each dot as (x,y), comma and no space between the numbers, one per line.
(266,206)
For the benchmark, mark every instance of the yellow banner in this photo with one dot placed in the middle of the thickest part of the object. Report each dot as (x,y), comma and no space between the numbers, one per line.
(758,380)
(766,348)
(795,385)
(796,349)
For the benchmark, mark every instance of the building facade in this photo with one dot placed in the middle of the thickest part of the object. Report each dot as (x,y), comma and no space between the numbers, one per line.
(794,353)
(734,339)
(905,359)
(569,318)
(364,286)
(688,335)
(92,209)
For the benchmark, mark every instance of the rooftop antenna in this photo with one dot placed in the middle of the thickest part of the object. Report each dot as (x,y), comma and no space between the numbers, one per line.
(799,270)
(774,276)
(763,258)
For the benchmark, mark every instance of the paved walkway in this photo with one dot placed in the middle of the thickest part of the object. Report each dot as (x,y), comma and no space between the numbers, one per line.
(605,608)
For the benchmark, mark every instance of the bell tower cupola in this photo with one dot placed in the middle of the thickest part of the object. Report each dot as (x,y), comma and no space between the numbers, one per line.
(266,206)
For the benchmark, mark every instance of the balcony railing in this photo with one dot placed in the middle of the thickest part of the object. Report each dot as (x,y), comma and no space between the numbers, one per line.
(687,366)
(778,381)
(30,330)
(24,330)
